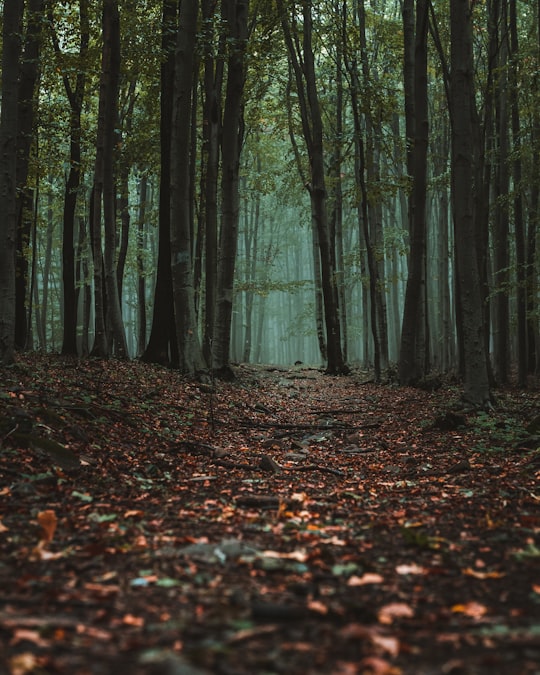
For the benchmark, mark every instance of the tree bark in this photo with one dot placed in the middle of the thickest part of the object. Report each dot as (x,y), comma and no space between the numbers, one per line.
(11,53)
(412,355)
(75,95)
(303,62)
(476,381)
(162,347)
(235,14)
(211,129)
(30,68)
(190,355)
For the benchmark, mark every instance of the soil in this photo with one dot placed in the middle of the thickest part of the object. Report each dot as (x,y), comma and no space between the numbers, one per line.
(287,522)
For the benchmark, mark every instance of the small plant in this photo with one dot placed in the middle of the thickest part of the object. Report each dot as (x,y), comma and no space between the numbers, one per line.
(499,432)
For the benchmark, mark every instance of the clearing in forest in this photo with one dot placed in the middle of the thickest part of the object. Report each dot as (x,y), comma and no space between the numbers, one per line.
(287,522)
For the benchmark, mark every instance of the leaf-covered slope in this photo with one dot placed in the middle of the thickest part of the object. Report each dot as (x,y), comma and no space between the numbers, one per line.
(287,522)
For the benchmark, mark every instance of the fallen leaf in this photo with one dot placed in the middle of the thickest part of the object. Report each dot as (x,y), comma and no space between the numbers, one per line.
(394,610)
(367,578)
(48,522)
(472,609)
(483,575)
(130,620)
(298,555)
(410,569)
(23,663)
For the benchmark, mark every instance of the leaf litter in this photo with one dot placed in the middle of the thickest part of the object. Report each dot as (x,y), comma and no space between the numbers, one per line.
(287,522)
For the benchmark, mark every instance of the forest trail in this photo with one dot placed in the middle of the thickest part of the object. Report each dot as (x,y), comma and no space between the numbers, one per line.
(287,522)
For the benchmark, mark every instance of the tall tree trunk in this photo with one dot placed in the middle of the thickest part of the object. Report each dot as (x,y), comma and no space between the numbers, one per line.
(211,128)
(303,63)
(189,350)
(11,53)
(412,355)
(501,254)
(107,124)
(75,95)
(141,271)
(476,380)
(30,67)
(519,227)
(235,14)
(369,300)
(162,347)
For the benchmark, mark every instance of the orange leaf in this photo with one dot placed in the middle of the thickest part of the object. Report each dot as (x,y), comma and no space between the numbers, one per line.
(48,522)
(130,620)
(472,609)
(482,575)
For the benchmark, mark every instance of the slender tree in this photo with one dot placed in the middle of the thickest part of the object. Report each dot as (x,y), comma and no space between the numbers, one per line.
(235,15)
(211,128)
(75,90)
(30,68)
(412,355)
(162,347)
(303,63)
(476,380)
(191,359)
(11,53)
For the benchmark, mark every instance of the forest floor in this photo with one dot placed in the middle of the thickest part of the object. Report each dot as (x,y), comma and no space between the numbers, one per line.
(287,522)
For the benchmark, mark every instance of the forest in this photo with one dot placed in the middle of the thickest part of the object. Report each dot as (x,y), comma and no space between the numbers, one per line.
(343,182)
(269,337)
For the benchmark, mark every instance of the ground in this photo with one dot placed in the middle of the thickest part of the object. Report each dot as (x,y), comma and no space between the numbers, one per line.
(286,522)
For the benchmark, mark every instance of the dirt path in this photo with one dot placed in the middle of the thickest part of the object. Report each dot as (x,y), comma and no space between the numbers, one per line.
(287,522)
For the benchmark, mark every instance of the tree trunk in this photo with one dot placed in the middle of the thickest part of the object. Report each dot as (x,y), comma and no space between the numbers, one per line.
(476,381)
(412,355)
(109,119)
(211,128)
(519,227)
(501,189)
(303,63)
(30,67)
(75,97)
(190,354)
(162,347)
(11,53)
(235,14)
(141,271)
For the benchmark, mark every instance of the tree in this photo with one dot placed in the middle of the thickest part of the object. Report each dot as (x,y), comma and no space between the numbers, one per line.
(75,91)
(235,15)
(213,65)
(30,65)
(162,347)
(476,380)
(412,355)
(190,355)
(11,53)
(303,63)
(107,301)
